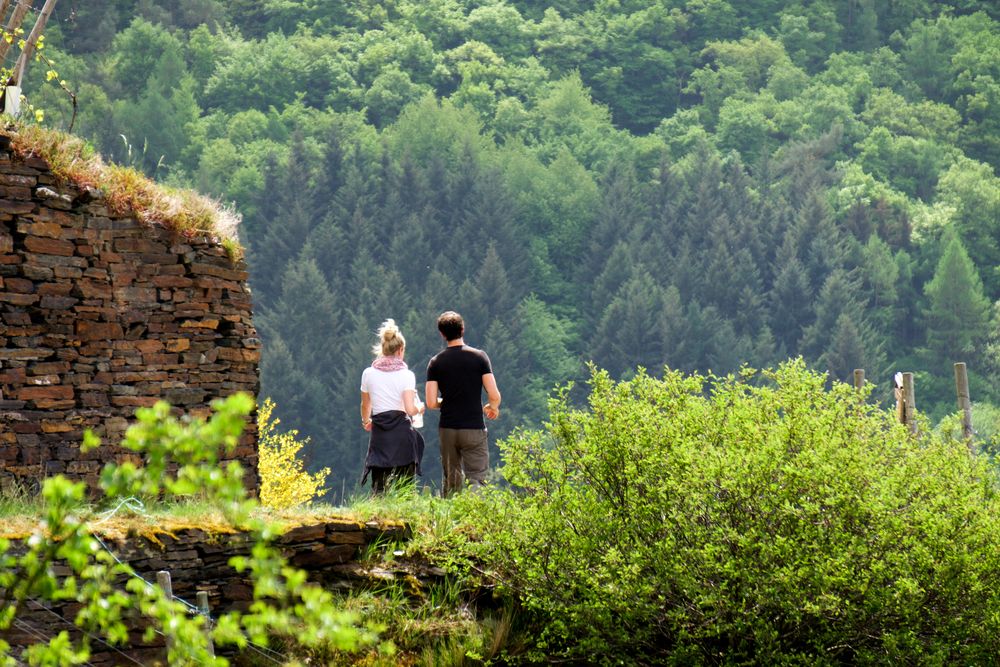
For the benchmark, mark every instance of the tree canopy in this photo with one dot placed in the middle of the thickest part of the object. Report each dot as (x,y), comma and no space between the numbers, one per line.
(690,183)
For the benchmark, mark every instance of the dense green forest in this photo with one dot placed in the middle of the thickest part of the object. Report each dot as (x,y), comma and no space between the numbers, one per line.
(691,183)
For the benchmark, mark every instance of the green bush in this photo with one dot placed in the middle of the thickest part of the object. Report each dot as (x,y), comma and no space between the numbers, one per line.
(62,561)
(761,518)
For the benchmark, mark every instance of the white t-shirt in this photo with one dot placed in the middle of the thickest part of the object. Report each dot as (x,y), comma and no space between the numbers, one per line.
(386,388)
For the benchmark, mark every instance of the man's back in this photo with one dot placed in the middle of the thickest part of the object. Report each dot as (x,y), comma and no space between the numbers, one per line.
(459,372)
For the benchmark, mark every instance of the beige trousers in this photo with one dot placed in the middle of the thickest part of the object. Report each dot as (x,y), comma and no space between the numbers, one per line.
(464,453)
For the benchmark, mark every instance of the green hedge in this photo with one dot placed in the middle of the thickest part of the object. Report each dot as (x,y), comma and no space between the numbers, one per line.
(757,519)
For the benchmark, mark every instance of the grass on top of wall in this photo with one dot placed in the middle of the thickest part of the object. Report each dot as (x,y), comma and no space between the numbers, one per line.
(21,510)
(126,190)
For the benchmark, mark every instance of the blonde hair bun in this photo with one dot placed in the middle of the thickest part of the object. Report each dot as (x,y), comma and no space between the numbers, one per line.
(391,340)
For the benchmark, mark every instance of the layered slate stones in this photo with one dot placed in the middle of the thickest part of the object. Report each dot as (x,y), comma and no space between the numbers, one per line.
(100,315)
(198,559)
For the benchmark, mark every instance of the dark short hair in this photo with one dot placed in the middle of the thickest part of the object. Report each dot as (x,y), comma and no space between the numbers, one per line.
(451,325)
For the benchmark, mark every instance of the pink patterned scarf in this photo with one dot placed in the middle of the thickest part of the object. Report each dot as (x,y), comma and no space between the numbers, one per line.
(389,364)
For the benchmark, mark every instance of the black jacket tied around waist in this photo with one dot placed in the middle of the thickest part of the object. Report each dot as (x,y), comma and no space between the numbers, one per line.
(393,443)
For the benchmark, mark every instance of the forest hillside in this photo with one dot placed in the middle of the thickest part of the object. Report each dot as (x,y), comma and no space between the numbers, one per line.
(696,184)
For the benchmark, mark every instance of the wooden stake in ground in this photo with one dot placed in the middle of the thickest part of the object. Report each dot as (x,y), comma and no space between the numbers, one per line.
(202,598)
(897,383)
(964,401)
(29,44)
(909,403)
(163,580)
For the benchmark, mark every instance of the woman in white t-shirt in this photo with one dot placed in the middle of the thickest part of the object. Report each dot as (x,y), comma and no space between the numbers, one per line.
(388,404)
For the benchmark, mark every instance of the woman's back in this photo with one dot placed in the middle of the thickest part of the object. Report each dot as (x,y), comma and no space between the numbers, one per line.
(386,387)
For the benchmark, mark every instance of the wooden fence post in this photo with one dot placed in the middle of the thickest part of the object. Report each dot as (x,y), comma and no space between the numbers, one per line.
(909,403)
(203,608)
(29,44)
(859,378)
(897,384)
(163,580)
(964,401)
(13,23)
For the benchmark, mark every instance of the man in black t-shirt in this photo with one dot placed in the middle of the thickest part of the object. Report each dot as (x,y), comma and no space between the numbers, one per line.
(456,378)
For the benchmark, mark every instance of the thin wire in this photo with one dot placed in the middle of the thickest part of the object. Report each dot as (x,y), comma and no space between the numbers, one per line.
(38,634)
(94,637)
(132,503)
(254,647)
(192,608)
(34,632)
(149,584)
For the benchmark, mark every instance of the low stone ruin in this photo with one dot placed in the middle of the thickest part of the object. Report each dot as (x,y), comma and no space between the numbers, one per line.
(101,314)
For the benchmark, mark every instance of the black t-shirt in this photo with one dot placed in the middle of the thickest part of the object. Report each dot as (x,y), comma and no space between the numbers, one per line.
(459,372)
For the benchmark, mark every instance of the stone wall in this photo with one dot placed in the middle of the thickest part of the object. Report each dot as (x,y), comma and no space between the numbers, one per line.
(197,560)
(99,315)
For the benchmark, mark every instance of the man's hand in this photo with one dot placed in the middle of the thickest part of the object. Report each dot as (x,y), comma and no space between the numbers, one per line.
(367,425)
(490,411)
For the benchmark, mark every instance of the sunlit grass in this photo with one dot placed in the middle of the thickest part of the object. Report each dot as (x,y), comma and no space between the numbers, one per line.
(422,622)
(126,190)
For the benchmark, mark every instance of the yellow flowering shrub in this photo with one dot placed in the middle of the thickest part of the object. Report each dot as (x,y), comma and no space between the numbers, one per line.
(283,480)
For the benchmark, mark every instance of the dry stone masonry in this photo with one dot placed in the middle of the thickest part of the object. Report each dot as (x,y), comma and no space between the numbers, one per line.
(100,315)
(198,560)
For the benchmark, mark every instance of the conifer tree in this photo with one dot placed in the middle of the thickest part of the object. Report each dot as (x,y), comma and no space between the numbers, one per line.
(957,316)
(410,252)
(674,331)
(880,276)
(853,345)
(497,295)
(627,335)
(838,296)
(603,286)
(619,212)
(790,298)
(305,317)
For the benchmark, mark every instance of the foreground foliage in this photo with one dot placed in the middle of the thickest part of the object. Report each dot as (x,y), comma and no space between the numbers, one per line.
(180,460)
(756,519)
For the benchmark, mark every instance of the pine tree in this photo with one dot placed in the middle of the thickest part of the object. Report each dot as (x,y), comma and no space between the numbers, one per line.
(628,335)
(618,268)
(880,275)
(327,246)
(305,316)
(282,238)
(853,345)
(706,204)
(410,252)
(790,299)
(330,176)
(495,289)
(674,331)
(621,209)
(957,316)
(838,296)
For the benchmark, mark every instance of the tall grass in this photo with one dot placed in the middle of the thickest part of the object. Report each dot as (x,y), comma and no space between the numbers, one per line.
(126,190)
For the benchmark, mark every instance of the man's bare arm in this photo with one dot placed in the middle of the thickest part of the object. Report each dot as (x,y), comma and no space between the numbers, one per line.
(492,407)
(431,395)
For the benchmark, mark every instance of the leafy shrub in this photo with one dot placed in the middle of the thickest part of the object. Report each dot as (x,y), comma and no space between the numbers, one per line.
(180,459)
(733,522)
(283,480)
